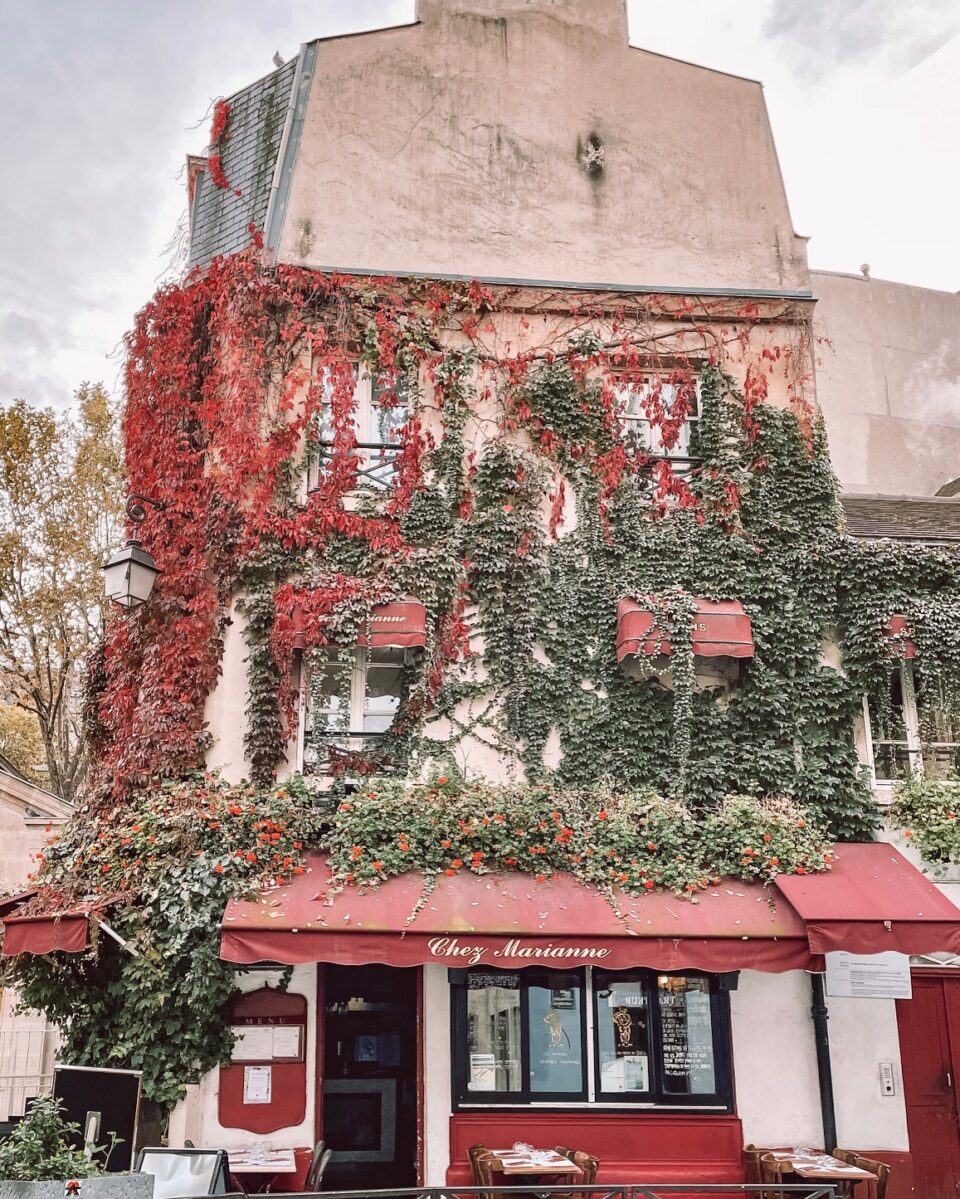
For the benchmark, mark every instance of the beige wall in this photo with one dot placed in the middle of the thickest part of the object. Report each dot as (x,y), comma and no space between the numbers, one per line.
(889,383)
(459,145)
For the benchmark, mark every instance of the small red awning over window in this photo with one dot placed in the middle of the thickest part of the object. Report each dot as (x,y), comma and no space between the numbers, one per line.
(44,934)
(896,626)
(721,629)
(872,900)
(401,624)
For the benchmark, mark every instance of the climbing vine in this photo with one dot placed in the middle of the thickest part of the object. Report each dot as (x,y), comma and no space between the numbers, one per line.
(532,485)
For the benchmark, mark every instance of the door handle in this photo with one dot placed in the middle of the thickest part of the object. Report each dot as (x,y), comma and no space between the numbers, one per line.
(949,1080)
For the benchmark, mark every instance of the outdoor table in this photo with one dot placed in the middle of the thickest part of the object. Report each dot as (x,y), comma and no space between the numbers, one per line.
(271,1161)
(541,1161)
(822,1167)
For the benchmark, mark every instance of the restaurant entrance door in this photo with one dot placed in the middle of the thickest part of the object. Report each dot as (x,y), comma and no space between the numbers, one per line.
(370,1076)
(930,1053)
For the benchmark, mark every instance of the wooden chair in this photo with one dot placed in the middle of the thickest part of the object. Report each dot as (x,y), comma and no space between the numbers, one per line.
(564,1152)
(774,1172)
(484,1170)
(751,1162)
(872,1190)
(474,1152)
(845,1155)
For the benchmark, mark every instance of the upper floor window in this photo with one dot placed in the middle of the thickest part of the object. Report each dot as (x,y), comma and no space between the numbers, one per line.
(912,733)
(660,410)
(350,702)
(381,410)
(542,1036)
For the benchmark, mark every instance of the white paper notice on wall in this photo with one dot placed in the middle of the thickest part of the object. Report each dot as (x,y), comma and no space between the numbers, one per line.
(254,1042)
(257,1084)
(868,975)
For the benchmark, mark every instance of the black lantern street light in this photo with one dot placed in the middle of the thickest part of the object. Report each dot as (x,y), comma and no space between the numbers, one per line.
(129,575)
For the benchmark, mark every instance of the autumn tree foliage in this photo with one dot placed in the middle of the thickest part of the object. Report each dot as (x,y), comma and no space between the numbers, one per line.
(60,492)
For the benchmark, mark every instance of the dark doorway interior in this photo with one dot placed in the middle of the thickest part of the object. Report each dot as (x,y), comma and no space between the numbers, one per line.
(370,1077)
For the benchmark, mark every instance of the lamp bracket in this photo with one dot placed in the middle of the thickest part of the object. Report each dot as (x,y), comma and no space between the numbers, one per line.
(135,509)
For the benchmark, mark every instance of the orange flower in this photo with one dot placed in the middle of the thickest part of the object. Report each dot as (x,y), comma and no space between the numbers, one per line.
(602,814)
(345,806)
(539,878)
(214,824)
(774,861)
(377,865)
(356,852)
(801,870)
(908,832)
(767,837)
(457,862)
(441,780)
(251,857)
(449,873)
(445,844)
(649,884)
(298,870)
(651,845)
(801,824)
(218,869)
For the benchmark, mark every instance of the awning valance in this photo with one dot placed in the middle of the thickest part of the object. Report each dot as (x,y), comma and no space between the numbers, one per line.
(510,921)
(870,901)
(401,624)
(43,934)
(721,629)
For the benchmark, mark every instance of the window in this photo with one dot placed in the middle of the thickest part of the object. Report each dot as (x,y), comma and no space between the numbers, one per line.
(373,678)
(380,413)
(546,1037)
(640,401)
(912,732)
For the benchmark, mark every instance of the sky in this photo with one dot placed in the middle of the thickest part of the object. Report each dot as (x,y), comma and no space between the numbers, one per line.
(102,100)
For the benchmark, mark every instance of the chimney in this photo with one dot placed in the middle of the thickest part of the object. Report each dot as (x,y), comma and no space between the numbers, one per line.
(607,17)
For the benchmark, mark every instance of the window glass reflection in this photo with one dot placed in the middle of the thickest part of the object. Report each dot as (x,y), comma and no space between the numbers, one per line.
(687,1035)
(623,1034)
(493,1032)
(556,1053)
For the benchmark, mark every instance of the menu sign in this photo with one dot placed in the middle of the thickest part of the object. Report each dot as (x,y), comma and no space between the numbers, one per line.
(687,1042)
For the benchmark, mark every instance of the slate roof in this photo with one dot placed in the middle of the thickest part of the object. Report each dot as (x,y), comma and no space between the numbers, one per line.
(931,519)
(220,218)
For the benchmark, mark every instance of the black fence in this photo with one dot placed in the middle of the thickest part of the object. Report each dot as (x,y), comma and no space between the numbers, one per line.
(639,1190)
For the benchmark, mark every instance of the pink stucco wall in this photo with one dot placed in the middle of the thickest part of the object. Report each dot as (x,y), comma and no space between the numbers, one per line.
(525,139)
(888,381)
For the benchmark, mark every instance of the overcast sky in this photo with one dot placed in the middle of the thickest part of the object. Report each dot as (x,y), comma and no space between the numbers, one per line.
(102,99)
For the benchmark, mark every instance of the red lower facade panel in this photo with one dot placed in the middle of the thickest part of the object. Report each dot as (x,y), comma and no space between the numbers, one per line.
(630,1146)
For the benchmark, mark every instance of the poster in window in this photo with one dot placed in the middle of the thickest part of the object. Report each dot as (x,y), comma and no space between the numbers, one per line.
(483,1072)
(365,1048)
(629,1031)
(564,999)
(688,1066)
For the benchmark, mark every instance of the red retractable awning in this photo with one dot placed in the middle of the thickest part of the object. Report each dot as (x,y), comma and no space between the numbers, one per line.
(721,629)
(511,921)
(398,625)
(44,934)
(872,900)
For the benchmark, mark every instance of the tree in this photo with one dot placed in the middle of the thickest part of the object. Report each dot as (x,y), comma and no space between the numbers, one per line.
(21,743)
(60,492)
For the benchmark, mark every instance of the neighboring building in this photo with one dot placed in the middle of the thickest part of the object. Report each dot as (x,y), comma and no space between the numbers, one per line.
(28,815)
(605,194)
(888,381)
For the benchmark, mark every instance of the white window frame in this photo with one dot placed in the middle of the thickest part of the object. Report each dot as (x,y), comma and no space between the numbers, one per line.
(647,435)
(912,742)
(351,737)
(373,451)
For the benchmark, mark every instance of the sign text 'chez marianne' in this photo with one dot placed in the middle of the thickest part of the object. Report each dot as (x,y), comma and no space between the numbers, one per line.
(514,950)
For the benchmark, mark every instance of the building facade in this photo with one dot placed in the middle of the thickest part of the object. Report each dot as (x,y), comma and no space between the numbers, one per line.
(494,491)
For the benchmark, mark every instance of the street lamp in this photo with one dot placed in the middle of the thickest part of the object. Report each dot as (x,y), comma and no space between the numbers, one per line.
(128,576)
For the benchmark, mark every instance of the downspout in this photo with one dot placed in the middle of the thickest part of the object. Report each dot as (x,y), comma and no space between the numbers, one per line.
(828,1113)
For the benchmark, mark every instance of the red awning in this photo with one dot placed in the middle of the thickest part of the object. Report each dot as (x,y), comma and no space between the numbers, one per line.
(873,900)
(44,934)
(721,629)
(398,625)
(511,921)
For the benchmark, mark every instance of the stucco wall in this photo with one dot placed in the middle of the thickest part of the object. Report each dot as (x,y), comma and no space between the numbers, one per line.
(888,382)
(527,139)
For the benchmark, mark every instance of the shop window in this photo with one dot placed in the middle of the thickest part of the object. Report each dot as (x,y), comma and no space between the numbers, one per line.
(640,401)
(912,734)
(381,411)
(542,1037)
(349,704)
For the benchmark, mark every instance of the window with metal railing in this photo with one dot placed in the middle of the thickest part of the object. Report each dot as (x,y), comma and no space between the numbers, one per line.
(659,411)
(381,410)
(350,701)
(911,732)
